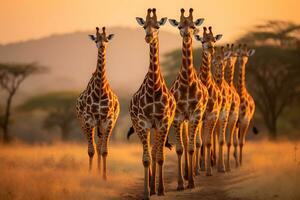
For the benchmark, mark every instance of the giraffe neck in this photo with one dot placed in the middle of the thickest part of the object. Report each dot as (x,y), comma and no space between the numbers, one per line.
(220,73)
(187,59)
(230,75)
(205,69)
(154,72)
(242,81)
(100,71)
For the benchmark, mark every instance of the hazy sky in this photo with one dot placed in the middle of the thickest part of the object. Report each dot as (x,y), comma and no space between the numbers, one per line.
(30,19)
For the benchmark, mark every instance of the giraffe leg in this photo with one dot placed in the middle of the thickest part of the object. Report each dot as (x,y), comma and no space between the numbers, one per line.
(104,147)
(228,167)
(241,154)
(221,138)
(235,144)
(214,148)
(91,151)
(203,158)
(99,143)
(146,162)
(191,149)
(229,133)
(179,151)
(208,161)
(209,126)
(198,146)
(160,161)
(185,142)
(153,163)
(243,131)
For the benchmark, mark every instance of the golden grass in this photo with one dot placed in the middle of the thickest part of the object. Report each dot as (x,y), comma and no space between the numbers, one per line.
(60,171)
(276,174)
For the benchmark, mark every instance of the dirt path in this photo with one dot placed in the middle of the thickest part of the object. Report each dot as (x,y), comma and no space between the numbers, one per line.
(208,188)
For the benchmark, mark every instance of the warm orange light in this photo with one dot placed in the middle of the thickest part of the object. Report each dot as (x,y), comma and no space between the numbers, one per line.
(22,20)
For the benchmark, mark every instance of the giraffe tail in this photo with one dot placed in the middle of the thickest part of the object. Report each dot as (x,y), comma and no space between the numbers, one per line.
(168,144)
(130,132)
(255,130)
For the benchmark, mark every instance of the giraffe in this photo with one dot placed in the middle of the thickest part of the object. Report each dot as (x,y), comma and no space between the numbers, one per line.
(247,104)
(213,107)
(219,61)
(231,130)
(97,106)
(191,97)
(152,107)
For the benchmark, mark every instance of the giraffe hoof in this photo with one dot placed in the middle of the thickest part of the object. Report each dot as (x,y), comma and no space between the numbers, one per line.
(221,169)
(146,198)
(180,187)
(160,192)
(228,169)
(191,185)
(152,192)
(185,176)
(208,173)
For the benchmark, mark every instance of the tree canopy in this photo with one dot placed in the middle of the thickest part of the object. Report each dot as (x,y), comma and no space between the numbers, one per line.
(60,108)
(12,76)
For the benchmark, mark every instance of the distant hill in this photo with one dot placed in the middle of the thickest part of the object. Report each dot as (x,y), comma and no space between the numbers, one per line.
(71,59)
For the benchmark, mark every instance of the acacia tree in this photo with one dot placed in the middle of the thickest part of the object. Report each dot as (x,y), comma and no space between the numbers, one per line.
(11,77)
(60,109)
(274,69)
(276,33)
(274,82)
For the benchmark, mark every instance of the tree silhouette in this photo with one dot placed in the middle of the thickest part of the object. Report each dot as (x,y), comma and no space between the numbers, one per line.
(12,76)
(60,108)
(275,83)
(277,33)
(275,68)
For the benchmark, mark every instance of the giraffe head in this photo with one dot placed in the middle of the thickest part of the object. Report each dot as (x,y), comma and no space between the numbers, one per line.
(243,53)
(101,39)
(208,40)
(220,58)
(186,25)
(151,25)
(233,54)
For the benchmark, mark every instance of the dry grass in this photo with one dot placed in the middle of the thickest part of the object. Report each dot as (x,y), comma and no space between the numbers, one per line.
(276,174)
(60,171)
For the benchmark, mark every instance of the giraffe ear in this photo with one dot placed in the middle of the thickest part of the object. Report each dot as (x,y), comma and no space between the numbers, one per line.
(251,52)
(198,38)
(199,21)
(162,21)
(92,37)
(218,37)
(111,36)
(173,22)
(140,21)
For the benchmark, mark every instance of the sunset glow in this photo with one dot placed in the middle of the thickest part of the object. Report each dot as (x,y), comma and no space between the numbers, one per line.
(31,19)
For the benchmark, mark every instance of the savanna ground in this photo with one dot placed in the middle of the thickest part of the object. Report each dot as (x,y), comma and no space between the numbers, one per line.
(60,171)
